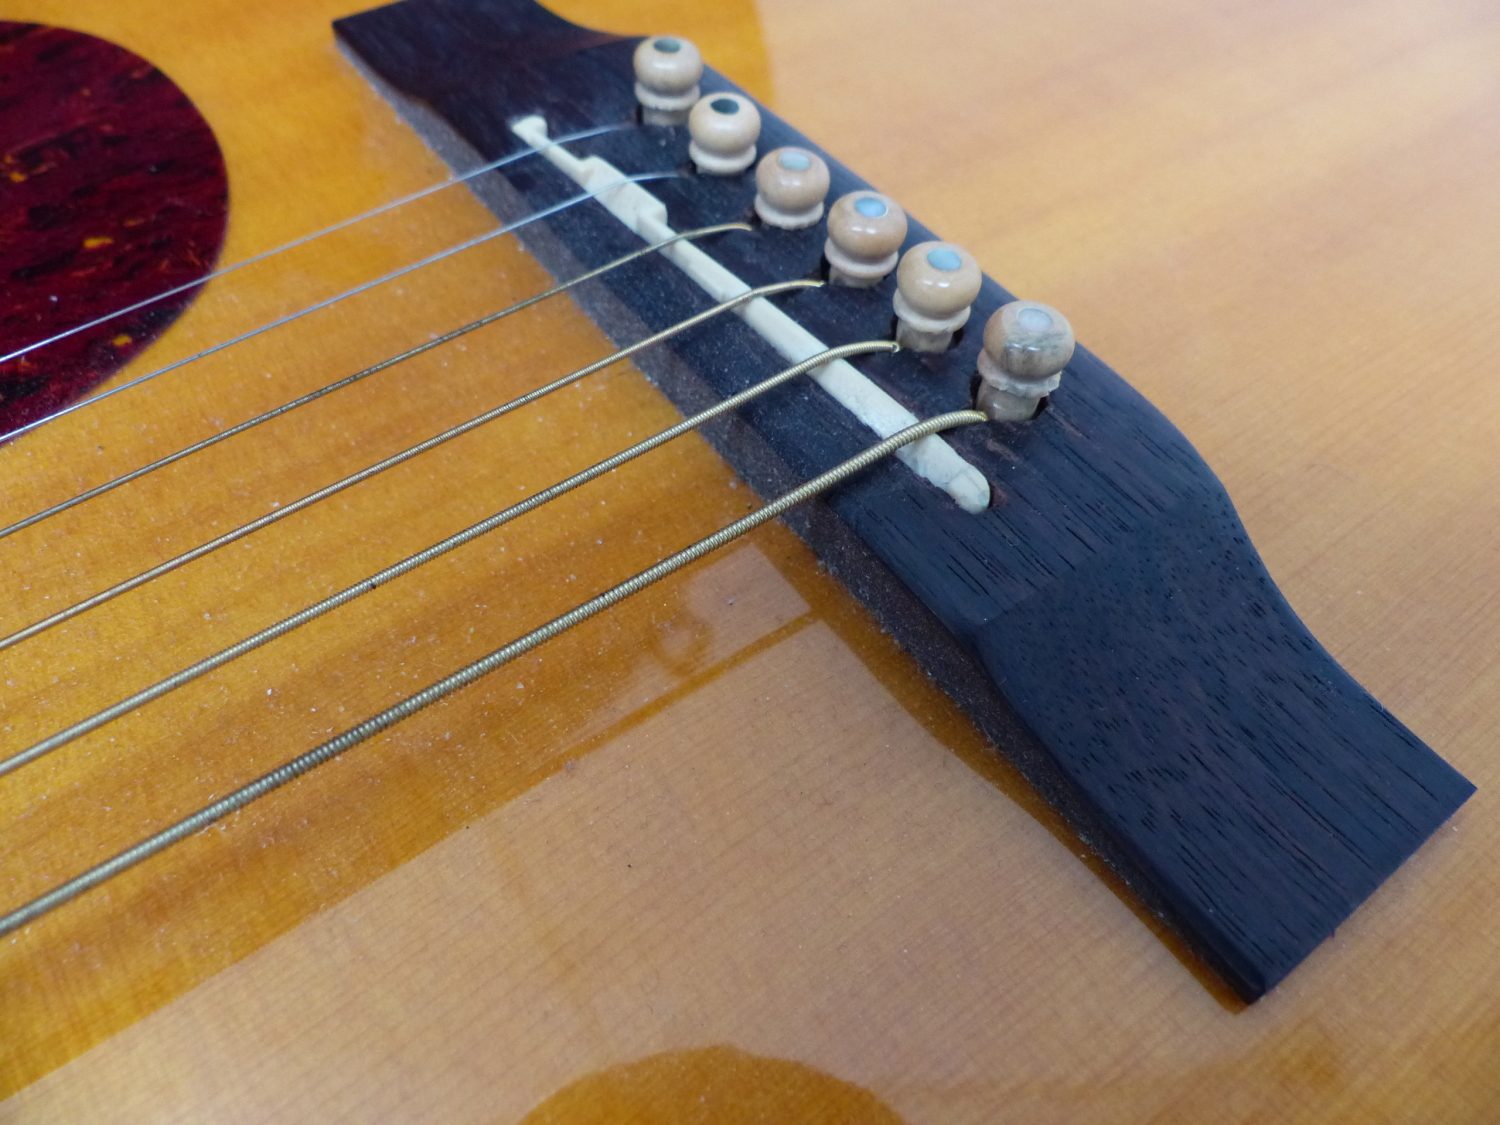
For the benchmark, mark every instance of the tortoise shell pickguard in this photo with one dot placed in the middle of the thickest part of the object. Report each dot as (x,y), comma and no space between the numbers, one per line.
(113,190)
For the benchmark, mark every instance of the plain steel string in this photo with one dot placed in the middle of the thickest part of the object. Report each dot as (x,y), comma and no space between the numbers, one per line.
(393,460)
(312,396)
(315,235)
(421,558)
(429,695)
(292,245)
(363,287)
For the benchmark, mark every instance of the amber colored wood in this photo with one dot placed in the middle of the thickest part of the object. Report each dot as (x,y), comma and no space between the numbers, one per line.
(711,1084)
(751,825)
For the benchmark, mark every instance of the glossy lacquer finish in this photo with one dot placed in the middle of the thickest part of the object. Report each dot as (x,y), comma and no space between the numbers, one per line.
(779,861)
(1102,616)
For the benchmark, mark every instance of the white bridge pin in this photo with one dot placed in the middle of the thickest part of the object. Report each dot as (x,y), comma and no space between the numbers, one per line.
(936,283)
(790,185)
(865,233)
(667,70)
(1026,346)
(724,129)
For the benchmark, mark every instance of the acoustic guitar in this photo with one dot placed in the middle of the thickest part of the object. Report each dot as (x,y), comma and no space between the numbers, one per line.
(725,853)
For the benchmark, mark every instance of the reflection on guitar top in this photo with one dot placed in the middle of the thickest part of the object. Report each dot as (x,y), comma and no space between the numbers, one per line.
(730,811)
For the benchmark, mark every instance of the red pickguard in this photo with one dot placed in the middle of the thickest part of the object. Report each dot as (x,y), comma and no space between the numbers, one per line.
(112,189)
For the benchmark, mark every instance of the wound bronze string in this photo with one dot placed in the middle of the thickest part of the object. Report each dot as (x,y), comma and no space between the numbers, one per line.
(350,380)
(327,751)
(283,511)
(305,762)
(421,558)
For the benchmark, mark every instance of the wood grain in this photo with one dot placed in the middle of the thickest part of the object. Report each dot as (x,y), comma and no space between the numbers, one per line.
(1105,621)
(1297,198)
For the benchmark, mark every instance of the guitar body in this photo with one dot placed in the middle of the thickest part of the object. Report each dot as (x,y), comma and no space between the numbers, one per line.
(729,840)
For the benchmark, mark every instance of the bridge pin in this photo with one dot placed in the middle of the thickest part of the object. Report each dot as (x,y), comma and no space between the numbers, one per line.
(865,232)
(724,128)
(790,186)
(667,70)
(1026,346)
(936,283)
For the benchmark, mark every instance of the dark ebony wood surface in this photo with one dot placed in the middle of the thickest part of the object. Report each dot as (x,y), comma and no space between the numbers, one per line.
(114,190)
(1107,622)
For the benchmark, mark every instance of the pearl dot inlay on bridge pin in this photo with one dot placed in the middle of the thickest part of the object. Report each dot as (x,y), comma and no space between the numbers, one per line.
(936,283)
(724,128)
(865,233)
(1026,346)
(790,185)
(667,70)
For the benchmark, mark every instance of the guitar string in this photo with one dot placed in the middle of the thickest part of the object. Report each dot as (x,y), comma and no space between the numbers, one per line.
(421,558)
(461,678)
(332,748)
(389,462)
(350,380)
(303,240)
(363,287)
